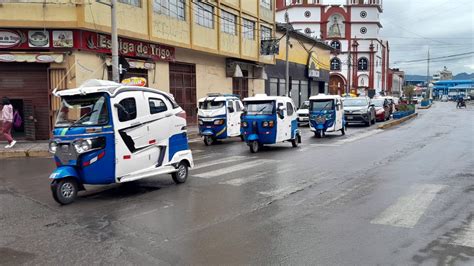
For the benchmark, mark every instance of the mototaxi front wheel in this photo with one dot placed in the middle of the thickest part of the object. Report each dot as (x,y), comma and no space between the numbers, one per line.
(254,146)
(181,174)
(64,190)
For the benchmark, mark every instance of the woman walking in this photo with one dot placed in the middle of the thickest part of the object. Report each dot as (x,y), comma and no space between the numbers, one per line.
(7,118)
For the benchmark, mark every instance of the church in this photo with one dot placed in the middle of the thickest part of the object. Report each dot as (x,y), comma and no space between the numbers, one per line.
(359,62)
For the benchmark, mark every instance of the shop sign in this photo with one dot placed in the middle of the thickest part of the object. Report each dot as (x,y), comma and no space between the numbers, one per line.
(38,38)
(44,59)
(313,71)
(135,81)
(102,43)
(7,58)
(63,39)
(9,39)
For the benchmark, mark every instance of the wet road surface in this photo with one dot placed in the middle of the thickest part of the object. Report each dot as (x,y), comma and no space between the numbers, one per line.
(401,196)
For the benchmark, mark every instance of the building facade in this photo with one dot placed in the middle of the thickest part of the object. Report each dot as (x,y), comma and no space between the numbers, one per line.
(396,79)
(444,74)
(308,64)
(187,48)
(360,60)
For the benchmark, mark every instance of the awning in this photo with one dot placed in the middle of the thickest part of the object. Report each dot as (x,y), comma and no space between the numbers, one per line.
(31,57)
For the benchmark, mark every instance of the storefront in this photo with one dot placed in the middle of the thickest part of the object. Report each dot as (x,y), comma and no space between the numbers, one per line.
(305,80)
(35,62)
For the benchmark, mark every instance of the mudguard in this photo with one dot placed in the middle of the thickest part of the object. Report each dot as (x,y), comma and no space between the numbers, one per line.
(207,132)
(320,126)
(65,171)
(252,137)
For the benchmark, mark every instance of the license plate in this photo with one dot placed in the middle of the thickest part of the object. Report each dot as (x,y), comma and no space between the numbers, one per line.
(350,117)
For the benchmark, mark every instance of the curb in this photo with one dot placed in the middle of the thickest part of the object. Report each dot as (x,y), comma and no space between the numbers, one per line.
(397,121)
(425,107)
(22,154)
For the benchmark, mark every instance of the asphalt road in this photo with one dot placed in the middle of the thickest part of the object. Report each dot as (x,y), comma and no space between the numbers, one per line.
(401,196)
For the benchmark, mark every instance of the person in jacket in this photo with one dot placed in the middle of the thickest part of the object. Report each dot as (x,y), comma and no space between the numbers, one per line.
(7,118)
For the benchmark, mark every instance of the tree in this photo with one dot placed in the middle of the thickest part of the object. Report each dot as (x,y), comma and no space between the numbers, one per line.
(408,91)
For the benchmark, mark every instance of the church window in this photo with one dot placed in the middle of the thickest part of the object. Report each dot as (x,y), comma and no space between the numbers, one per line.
(335,64)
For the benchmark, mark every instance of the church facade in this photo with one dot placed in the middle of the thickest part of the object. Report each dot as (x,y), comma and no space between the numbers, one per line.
(360,60)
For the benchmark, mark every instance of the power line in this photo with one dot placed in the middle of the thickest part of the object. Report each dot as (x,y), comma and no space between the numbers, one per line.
(434,58)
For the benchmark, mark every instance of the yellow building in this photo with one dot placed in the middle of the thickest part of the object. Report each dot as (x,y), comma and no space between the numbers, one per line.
(308,67)
(186,47)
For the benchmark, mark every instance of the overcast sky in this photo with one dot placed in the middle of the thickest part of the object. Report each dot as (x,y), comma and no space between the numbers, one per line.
(446,27)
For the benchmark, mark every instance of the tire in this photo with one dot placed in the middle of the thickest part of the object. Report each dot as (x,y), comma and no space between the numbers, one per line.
(254,146)
(343,130)
(209,140)
(242,138)
(64,190)
(294,142)
(181,175)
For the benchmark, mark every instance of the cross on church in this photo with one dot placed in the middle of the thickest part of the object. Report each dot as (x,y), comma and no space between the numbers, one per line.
(335,64)
(363,64)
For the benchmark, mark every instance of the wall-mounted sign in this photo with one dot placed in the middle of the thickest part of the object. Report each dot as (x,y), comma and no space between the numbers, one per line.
(9,38)
(38,38)
(7,58)
(135,81)
(63,39)
(44,59)
(313,70)
(102,43)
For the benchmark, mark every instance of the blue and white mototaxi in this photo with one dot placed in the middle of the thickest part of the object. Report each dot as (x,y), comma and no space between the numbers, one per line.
(269,120)
(219,117)
(107,133)
(326,114)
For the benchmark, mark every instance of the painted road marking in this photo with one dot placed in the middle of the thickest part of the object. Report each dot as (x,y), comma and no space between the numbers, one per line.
(221,161)
(408,209)
(284,191)
(324,145)
(233,168)
(241,181)
(361,136)
(466,236)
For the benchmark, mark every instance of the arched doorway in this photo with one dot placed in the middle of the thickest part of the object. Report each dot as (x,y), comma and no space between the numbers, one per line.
(337,85)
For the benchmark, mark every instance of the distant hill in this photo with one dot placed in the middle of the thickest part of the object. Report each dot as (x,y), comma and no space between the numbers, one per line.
(464,75)
(415,77)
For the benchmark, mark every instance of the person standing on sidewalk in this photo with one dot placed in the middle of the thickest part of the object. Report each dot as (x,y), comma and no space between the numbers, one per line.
(7,118)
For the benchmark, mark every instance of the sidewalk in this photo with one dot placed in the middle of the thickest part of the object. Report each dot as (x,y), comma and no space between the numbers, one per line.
(40,148)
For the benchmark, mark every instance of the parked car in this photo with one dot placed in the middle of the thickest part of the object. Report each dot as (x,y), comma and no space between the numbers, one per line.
(382,109)
(303,113)
(359,110)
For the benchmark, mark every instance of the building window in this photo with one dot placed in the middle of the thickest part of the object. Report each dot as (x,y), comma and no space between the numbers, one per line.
(248,29)
(363,64)
(137,3)
(204,15)
(336,45)
(363,30)
(228,23)
(335,64)
(266,33)
(266,4)
(171,8)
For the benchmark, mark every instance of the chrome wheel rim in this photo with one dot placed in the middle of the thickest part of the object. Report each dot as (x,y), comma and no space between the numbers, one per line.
(181,172)
(67,190)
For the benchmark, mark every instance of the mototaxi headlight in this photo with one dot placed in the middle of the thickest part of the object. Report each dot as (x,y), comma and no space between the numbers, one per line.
(53,146)
(267,123)
(82,145)
(201,122)
(219,122)
(245,124)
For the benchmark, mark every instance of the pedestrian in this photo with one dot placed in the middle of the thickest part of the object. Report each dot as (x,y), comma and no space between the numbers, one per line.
(7,118)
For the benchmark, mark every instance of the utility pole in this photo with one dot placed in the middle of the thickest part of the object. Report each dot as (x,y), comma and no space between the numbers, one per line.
(428,76)
(115,56)
(287,67)
(114,38)
(349,64)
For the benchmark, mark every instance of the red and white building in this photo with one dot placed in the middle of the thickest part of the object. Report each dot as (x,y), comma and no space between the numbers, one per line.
(360,60)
